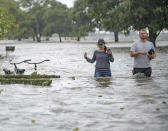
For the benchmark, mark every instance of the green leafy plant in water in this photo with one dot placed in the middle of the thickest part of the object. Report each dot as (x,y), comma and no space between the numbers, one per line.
(113,115)
(164,102)
(122,108)
(31,76)
(34,74)
(100,96)
(37,82)
(73,77)
(103,79)
(158,109)
(33,121)
(32,79)
(76,129)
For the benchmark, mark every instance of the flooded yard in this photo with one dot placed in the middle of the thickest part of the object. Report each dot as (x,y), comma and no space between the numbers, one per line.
(124,103)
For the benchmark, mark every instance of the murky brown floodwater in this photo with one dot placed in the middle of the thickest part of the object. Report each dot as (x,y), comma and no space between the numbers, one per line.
(127,104)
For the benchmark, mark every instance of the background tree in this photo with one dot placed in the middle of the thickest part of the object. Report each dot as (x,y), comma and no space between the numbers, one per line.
(7,23)
(148,14)
(107,16)
(114,20)
(118,15)
(43,18)
(34,17)
(46,17)
(13,9)
(37,20)
(81,22)
(57,19)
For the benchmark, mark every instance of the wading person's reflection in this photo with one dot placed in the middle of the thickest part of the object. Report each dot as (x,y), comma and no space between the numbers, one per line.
(142,51)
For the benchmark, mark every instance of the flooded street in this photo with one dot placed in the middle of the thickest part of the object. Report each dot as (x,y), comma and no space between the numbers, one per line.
(122,104)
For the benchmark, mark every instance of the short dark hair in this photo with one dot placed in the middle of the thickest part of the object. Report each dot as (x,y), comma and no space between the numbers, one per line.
(142,30)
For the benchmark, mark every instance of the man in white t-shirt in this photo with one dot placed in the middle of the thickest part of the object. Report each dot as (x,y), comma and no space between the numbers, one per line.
(142,51)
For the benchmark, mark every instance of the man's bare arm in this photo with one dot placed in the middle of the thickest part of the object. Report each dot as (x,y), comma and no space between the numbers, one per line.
(134,54)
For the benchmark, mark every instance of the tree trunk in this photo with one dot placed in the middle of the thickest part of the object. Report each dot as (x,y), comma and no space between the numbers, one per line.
(60,38)
(78,38)
(19,38)
(47,38)
(116,36)
(34,39)
(38,38)
(152,36)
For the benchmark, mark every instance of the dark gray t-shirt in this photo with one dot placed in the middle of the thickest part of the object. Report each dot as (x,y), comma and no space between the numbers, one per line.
(142,61)
(102,59)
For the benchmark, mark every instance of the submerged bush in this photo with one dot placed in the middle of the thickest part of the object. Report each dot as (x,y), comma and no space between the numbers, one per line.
(32,76)
(37,82)
(73,77)
(157,109)
(103,79)
(76,129)
(164,102)
(33,121)
(32,79)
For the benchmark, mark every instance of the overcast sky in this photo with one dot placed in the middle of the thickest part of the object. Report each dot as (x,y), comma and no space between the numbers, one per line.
(69,3)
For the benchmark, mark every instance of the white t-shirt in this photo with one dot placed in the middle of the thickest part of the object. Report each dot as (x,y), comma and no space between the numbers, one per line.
(142,61)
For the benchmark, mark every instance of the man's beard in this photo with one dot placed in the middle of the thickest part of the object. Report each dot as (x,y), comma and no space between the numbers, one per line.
(143,38)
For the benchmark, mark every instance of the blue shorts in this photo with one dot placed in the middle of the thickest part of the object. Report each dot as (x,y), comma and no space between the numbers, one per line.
(102,72)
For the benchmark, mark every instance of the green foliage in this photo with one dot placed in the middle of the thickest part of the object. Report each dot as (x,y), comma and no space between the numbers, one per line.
(36,82)
(37,18)
(76,129)
(33,121)
(32,76)
(57,19)
(73,78)
(164,102)
(32,79)
(157,109)
(119,15)
(147,14)
(81,22)
(108,15)
(103,79)
(1,91)
(36,22)
(6,23)
(122,108)
(46,17)
(13,10)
